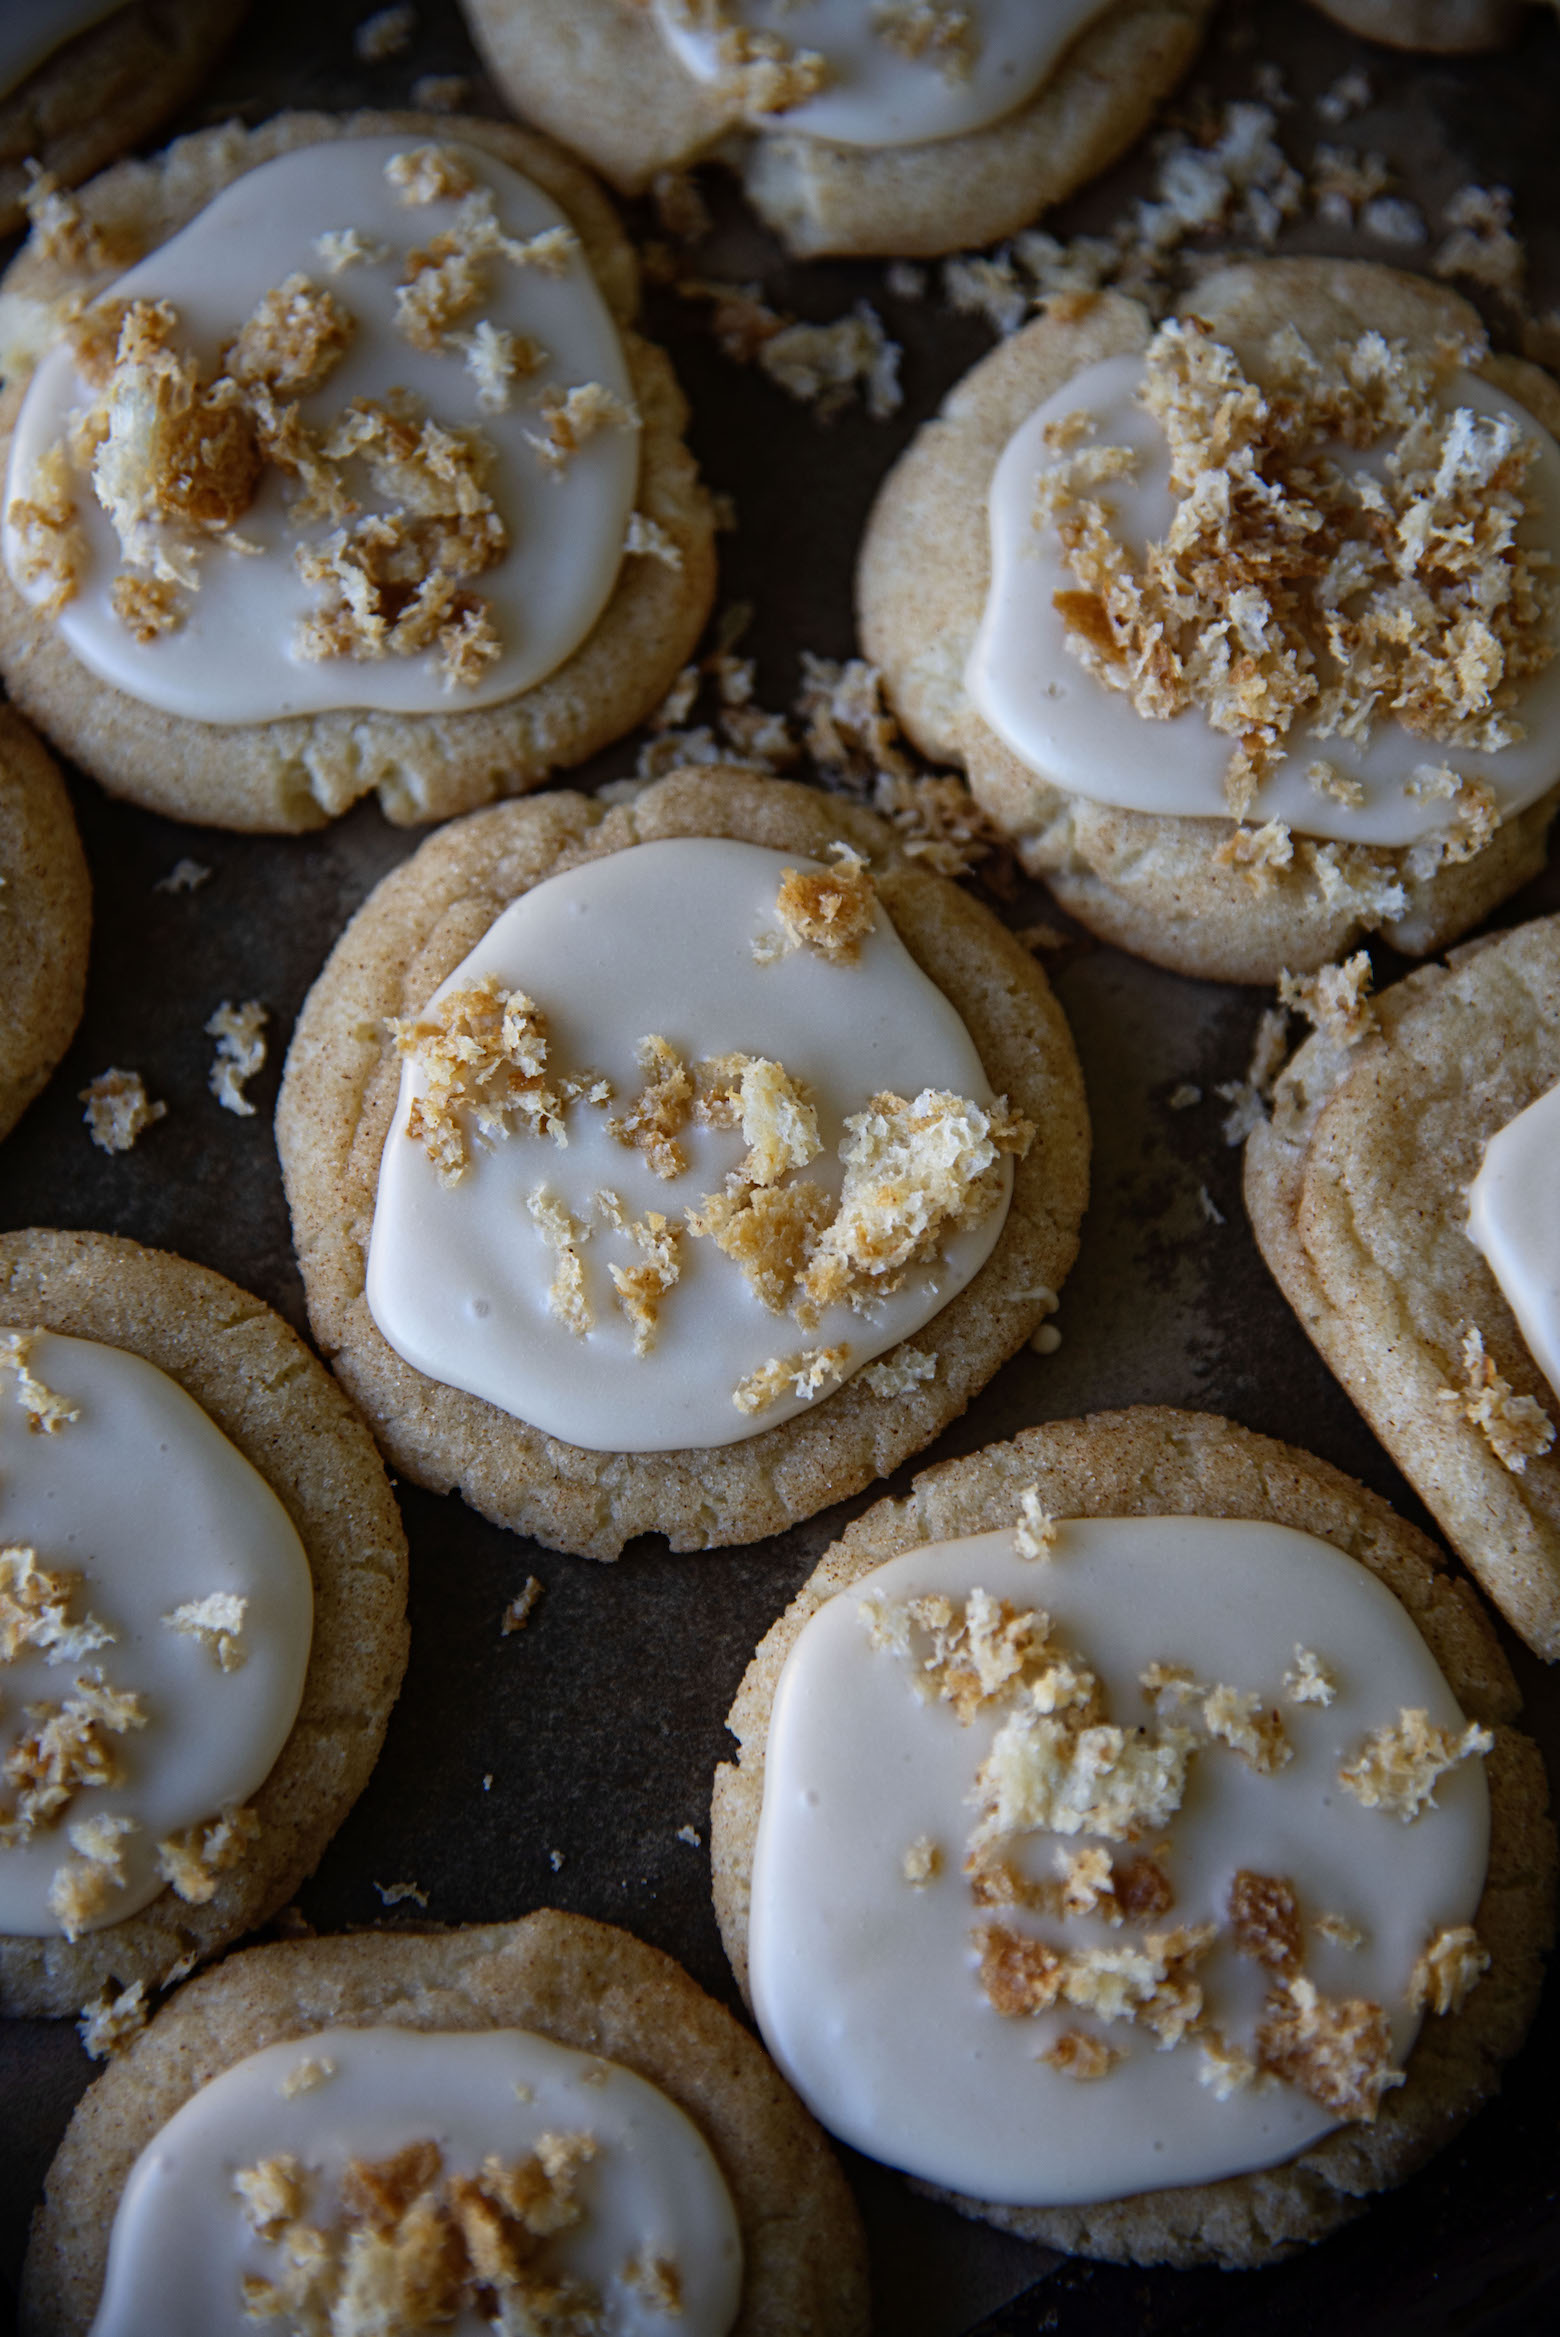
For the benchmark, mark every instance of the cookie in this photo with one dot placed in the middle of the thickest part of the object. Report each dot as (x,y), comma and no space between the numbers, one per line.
(106,79)
(609,78)
(1194,891)
(584,1298)
(45,918)
(585,1986)
(1358,1192)
(1446,27)
(281,1463)
(1100,1506)
(484,548)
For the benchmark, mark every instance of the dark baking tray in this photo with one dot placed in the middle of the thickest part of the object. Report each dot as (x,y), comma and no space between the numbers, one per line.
(601,1724)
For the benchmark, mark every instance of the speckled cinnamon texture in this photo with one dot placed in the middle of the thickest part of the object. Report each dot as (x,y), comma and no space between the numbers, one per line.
(598,75)
(339,1094)
(1357,1190)
(299,772)
(256,1379)
(45,918)
(1144,881)
(583,1984)
(1153,1462)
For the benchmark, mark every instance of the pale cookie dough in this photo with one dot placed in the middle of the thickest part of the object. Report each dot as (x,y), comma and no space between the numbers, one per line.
(45,918)
(339,1094)
(599,76)
(583,1984)
(1358,1193)
(298,772)
(106,89)
(1147,882)
(1447,27)
(255,1378)
(1152,1462)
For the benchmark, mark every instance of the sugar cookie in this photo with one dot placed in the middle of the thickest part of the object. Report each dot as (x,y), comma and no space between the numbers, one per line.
(45,918)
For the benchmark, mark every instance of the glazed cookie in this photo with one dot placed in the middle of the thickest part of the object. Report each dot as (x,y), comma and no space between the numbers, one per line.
(1413,1248)
(202,1614)
(82,80)
(1148,1628)
(712,1186)
(1446,27)
(45,918)
(920,131)
(602,2094)
(393,501)
(1270,819)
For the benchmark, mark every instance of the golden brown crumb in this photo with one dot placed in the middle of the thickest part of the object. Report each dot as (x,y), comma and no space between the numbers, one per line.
(118,1109)
(658,2281)
(192,1860)
(149,607)
(110,2024)
(1336,2049)
(1339,1930)
(1397,1768)
(922,1862)
(574,417)
(35,1605)
(522,1606)
(217,1621)
(1448,1970)
(1078,2055)
(1309,1680)
(62,235)
(166,448)
(429,174)
(46,1411)
(1265,1919)
(827,366)
(1141,1888)
(1517,1428)
(65,1749)
(1149,1984)
(917,30)
(240,1053)
(977,1650)
(850,733)
(1225,2068)
(1020,1976)
(497,359)
(306,2077)
(1088,1883)
(815,1371)
(273,2193)
(1256,852)
(939,820)
(1241,1722)
(647,539)
(1034,1536)
(653,1120)
(440,93)
(765,74)
(775,1113)
(1336,784)
(1481,246)
(385,34)
(293,339)
(51,541)
(899,1373)
(830,910)
(914,1174)
(482,1051)
(641,1288)
(1336,1000)
(769,1232)
(346,247)
(564,1232)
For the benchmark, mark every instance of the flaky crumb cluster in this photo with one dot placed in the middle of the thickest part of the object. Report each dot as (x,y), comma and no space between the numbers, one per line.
(1516,1428)
(1288,587)
(482,1051)
(47,1411)
(1058,1768)
(413,2245)
(119,1110)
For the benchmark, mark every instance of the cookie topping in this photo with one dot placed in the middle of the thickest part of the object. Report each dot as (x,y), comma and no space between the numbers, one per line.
(1398,1767)
(1451,1965)
(47,1413)
(1517,1428)
(119,1109)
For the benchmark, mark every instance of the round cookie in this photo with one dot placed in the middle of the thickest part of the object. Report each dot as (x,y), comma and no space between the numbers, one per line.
(296,772)
(1357,1190)
(582,1984)
(106,89)
(1154,1462)
(257,1381)
(599,76)
(339,1094)
(45,918)
(1445,27)
(1144,881)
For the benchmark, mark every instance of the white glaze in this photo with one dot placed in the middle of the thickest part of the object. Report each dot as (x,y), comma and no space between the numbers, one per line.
(1514,1218)
(149,1503)
(876,97)
(31,31)
(657,939)
(233,658)
(1082,736)
(181,2246)
(865,1989)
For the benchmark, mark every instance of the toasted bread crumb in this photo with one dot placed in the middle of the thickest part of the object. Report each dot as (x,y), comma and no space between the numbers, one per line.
(385,34)
(647,539)
(34,1604)
(52,543)
(828,366)
(565,1233)
(574,417)
(1338,1930)
(815,1371)
(831,911)
(776,1114)
(1256,852)
(521,1607)
(1337,2050)
(483,1052)
(922,1862)
(497,359)
(653,1120)
(110,2024)
(1336,1000)
(1265,1920)
(240,1053)
(641,1288)
(1481,246)
(149,607)
(347,247)
(658,2281)
(769,1232)
(1243,1723)
(1448,1970)
(1034,1536)
(192,1860)
(1080,2056)
(440,93)
(118,1109)
(1224,2068)
(765,74)
(429,174)
(924,32)
(293,339)
(1397,1768)
(272,2192)
(1516,1428)
(217,1621)
(64,1750)
(1309,1680)
(306,2077)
